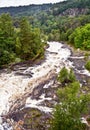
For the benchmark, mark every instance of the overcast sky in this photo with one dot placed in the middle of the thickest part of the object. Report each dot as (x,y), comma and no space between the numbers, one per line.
(4,3)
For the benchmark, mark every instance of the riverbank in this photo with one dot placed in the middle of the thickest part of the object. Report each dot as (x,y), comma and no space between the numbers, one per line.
(16,86)
(29,88)
(79,59)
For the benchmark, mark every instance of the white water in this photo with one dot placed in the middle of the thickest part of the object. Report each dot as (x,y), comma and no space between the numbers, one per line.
(36,103)
(14,86)
(11,85)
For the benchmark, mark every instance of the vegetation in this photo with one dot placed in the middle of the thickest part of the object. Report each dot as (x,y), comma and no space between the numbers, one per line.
(7,40)
(51,9)
(67,114)
(59,22)
(22,43)
(66,76)
(87,65)
(72,105)
(21,39)
(81,37)
(70,108)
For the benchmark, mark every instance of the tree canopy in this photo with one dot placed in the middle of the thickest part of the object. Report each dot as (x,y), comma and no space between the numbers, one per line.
(81,37)
(23,42)
(72,105)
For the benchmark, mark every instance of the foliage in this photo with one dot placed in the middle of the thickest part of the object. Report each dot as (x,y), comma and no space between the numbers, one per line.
(7,39)
(59,8)
(68,112)
(66,76)
(25,38)
(22,43)
(21,38)
(54,9)
(54,20)
(30,40)
(87,65)
(81,37)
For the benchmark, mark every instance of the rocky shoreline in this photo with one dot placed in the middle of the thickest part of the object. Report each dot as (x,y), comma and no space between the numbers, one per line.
(37,102)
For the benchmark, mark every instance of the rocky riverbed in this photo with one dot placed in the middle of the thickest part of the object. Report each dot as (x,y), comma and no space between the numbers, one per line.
(29,92)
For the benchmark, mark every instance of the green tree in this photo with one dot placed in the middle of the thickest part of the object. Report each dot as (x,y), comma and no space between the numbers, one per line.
(66,76)
(68,112)
(25,38)
(36,42)
(30,40)
(81,37)
(7,39)
(72,77)
(63,75)
(6,25)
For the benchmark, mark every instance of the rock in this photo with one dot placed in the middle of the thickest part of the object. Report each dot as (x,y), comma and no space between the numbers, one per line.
(1,120)
(75,11)
(31,119)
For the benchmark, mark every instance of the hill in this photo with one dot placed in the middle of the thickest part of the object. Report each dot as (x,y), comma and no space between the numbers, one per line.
(71,7)
(68,7)
(56,21)
(25,10)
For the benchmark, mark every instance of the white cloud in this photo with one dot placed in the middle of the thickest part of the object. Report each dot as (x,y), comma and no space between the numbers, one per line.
(4,3)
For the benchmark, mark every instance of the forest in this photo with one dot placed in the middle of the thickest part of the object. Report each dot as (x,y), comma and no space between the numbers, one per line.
(19,44)
(65,21)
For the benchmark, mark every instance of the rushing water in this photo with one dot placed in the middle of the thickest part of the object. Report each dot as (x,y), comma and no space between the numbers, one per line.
(13,86)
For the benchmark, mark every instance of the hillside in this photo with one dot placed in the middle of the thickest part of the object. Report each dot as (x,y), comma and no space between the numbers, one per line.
(25,10)
(56,22)
(71,6)
(61,8)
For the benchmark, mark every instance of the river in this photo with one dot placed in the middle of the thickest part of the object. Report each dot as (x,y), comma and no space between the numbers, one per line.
(15,84)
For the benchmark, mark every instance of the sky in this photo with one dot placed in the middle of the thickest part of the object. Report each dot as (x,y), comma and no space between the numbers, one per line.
(6,3)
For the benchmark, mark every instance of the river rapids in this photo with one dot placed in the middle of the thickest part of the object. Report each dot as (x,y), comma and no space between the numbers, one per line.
(14,84)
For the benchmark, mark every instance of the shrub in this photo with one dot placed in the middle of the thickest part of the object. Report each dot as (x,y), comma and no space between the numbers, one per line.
(68,112)
(87,65)
(66,76)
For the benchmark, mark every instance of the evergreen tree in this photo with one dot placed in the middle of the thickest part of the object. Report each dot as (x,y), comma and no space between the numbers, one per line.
(68,112)
(7,39)
(25,38)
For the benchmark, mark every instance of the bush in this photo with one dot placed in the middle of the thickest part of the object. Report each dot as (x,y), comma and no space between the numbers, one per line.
(63,75)
(66,76)
(87,65)
(68,112)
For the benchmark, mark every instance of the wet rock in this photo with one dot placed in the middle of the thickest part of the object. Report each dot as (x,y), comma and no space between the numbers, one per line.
(1,120)
(43,89)
(31,119)
(24,74)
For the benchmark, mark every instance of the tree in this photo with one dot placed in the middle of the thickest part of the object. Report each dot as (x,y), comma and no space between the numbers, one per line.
(6,25)
(72,105)
(72,77)
(7,39)
(25,38)
(63,75)
(30,40)
(66,76)
(81,37)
